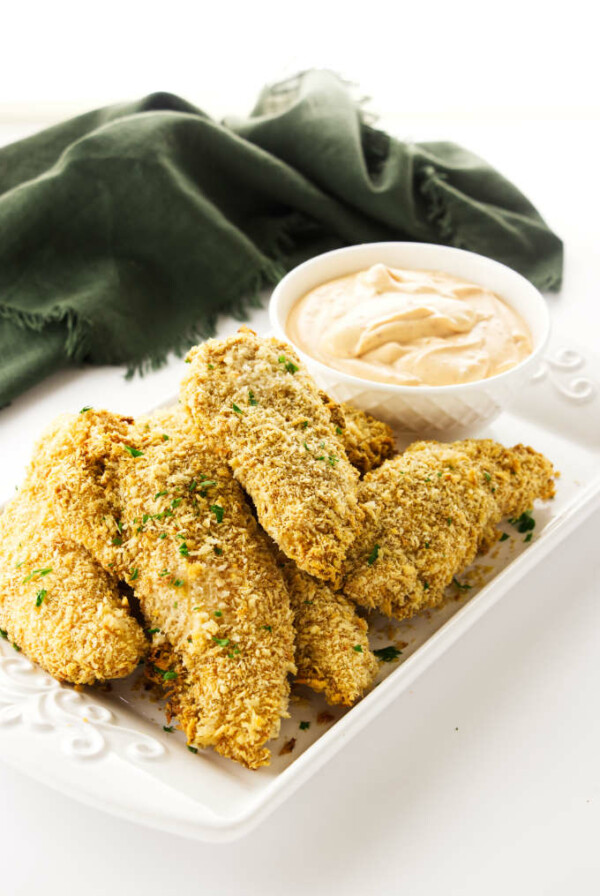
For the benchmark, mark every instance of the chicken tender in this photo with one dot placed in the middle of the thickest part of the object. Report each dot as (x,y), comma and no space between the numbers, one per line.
(56,603)
(255,400)
(149,502)
(332,647)
(367,441)
(429,511)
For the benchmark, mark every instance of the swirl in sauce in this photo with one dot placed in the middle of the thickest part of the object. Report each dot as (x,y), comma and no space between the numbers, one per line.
(411,328)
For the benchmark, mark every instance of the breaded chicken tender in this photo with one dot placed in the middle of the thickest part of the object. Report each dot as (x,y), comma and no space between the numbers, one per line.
(429,511)
(56,603)
(367,441)
(257,403)
(332,647)
(149,502)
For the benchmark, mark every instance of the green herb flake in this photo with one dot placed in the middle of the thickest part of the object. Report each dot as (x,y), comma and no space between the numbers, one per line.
(487,476)
(339,430)
(159,495)
(388,654)
(462,586)
(528,537)
(135,452)
(304,424)
(268,628)
(218,551)
(171,675)
(177,583)
(505,536)
(218,512)
(306,446)
(304,726)
(164,572)
(134,574)
(525,523)
(85,409)
(218,613)
(169,728)
(152,631)
(332,460)
(40,597)
(237,410)
(3,634)
(117,541)
(252,400)
(194,749)
(222,642)
(449,520)
(183,550)
(175,502)
(308,603)
(289,365)
(175,604)
(373,555)
(16,647)
(165,437)
(357,648)
(425,586)
(211,366)
(427,545)
(162,535)
(40,573)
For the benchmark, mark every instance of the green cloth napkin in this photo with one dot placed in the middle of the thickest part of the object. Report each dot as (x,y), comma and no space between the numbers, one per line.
(126,231)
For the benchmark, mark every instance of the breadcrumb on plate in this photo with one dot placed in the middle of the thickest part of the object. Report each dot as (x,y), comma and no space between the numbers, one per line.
(147,498)
(261,409)
(429,511)
(56,603)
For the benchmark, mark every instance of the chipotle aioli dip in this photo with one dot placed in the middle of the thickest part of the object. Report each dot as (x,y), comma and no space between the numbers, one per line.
(411,328)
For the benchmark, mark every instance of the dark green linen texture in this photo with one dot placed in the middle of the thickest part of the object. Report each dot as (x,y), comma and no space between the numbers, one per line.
(124,232)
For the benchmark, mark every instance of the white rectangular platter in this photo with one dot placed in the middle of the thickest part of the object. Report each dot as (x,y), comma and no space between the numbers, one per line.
(108,747)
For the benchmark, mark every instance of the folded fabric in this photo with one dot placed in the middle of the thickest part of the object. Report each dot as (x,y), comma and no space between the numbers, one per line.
(126,231)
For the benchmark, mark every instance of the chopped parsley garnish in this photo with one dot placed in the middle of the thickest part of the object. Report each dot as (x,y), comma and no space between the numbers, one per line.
(425,586)
(237,410)
(308,603)
(211,366)
(268,628)
(165,437)
(320,457)
(524,523)
(233,653)
(218,512)
(175,605)
(306,446)
(135,452)
(332,460)
(37,572)
(195,749)
(218,551)
(19,564)
(373,555)
(145,518)
(159,495)
(528,537)
(171,675)
(162,535)
(117,541)
(183,550)
(358,648)
(176,583)
(487,476)
(40,597)
(504,536)
(119,526)
(304,424)
(304,726)
(165,572)
(134,574)
(387,654)
(427,544)
(222,642)
(152,631)
(218,613)
(208,483)
(84,410)
(16,646)
(175,502)
(3,634)
(339,430)
(169,728)
(289,365)
(251,398)
(449,520)
(461,585)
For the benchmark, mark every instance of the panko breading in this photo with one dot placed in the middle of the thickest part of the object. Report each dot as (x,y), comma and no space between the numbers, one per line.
(332,647)
(255,400)
(56,603)
(149,502)
(429,511)
(367,441)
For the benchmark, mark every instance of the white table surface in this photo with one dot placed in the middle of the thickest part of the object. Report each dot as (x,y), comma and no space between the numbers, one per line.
(485,777)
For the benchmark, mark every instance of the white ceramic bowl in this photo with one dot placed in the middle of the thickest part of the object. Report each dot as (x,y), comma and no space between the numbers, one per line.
(428,411)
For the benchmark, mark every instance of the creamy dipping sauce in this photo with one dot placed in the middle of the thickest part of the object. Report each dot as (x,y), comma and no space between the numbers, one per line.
(411,328)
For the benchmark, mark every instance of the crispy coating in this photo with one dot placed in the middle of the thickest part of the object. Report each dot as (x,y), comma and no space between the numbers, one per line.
(332,647)
(367,441)
(148,501)
(429,511)
(56,603)
(254,398)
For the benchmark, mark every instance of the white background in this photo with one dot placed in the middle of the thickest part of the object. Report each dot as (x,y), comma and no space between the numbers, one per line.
(511,801)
